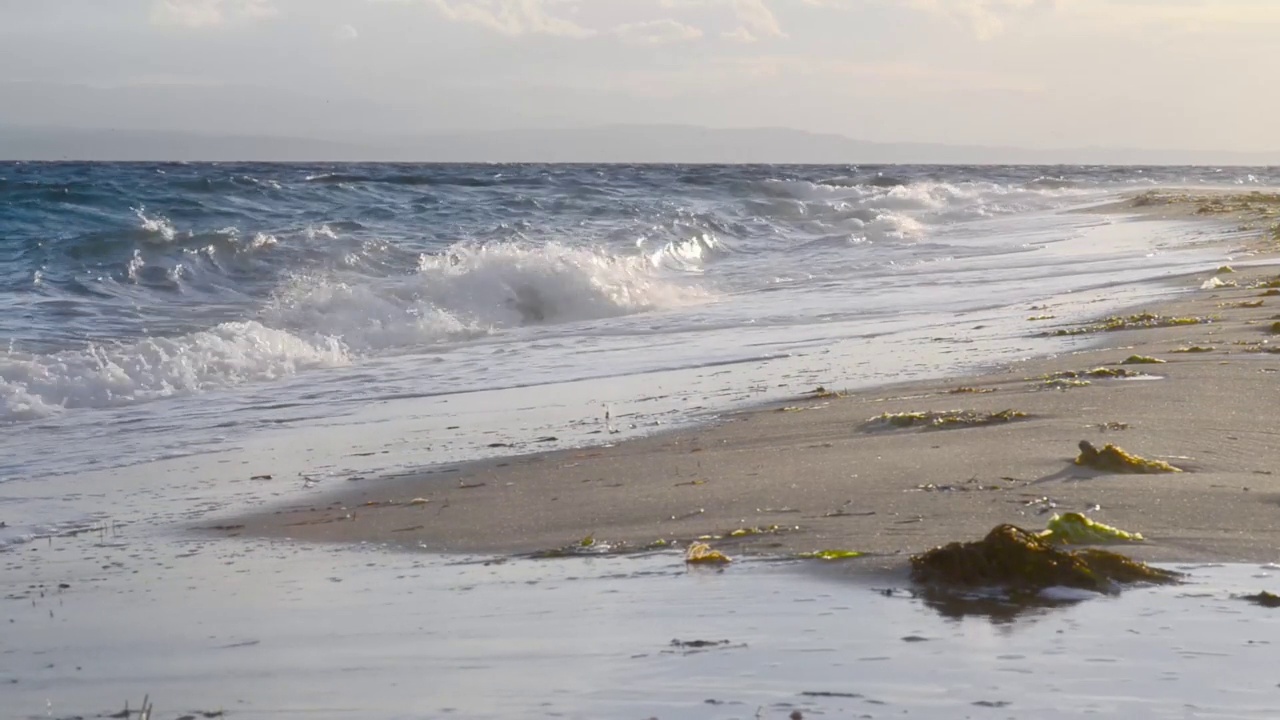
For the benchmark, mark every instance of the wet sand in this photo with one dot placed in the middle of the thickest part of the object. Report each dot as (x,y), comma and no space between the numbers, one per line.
(264,629)
(814,474)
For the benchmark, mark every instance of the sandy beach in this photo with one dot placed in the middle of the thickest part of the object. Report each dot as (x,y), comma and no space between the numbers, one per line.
(819,472)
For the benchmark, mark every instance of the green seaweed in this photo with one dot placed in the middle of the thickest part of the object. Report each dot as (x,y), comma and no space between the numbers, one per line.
(821,392)
(1141,360)
(970,391)
(1114,459)
(830,555)
(1076,529)
(945,419)
(700,553)
(1014,558)
(1098,372)
(1066,383)
(1264,598)
(1132,322)
(1195,349)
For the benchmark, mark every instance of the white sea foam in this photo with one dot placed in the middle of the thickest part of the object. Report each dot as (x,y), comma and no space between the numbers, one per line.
(157,226)
(36,385)
(312,232)
(690,254)
(475,289)
(924,201)
(325,321)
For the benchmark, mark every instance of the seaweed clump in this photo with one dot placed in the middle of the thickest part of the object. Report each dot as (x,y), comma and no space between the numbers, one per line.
(1014,558)
(701,554)
(1114,459)
(821,393)
(1098,372)
(1132,322)
(830,555)
(1076,529)
(1142,360)
(966,390)
(942,419)
(1264,598)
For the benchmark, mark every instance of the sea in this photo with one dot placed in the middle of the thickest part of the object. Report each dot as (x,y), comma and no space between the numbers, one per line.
(320,321)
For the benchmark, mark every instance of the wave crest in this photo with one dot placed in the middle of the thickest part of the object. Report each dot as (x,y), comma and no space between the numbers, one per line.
(103,375)
(317,321)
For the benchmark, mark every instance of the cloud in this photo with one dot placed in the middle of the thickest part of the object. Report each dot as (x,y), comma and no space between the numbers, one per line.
(754,17)
(346,33)
(511,17)
(741,35)
(985,18)
(988,19)
(757,18)
(208,13)
(657,32)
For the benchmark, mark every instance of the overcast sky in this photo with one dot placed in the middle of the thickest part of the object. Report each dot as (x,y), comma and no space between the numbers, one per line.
(1035,73)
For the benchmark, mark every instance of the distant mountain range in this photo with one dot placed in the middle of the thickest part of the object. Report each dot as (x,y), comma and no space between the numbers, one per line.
(600,144)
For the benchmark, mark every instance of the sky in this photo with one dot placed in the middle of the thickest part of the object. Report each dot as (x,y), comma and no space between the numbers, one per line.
(1180,74)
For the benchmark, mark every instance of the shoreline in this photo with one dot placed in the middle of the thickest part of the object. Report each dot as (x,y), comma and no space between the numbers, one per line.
(810,474)
(921,487)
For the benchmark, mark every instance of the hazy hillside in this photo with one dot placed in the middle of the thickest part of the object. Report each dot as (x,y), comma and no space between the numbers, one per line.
(607,144)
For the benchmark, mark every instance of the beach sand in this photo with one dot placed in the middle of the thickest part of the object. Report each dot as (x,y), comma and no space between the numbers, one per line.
(814,474)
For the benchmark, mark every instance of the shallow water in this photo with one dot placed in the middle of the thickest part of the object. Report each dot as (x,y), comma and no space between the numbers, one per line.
(273,630)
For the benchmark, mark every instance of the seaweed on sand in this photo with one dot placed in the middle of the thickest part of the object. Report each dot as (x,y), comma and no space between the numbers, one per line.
(1132,322)
(1142,360)
(1065,383)
(1077,378)
(1016,559)
(1256,202)
(830,555)
(1264,598)
(821,392)
(702,554)
(1076,529)
(1114,459)
(942,419)
(966,390)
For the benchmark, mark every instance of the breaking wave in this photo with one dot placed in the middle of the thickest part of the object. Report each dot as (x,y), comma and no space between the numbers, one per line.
(330,320)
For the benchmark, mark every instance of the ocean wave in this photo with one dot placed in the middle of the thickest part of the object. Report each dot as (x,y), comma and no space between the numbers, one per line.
(475,289)
(409,179)
(155,227)
(690,254)
(926,202)
(315,321)
(33,386)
